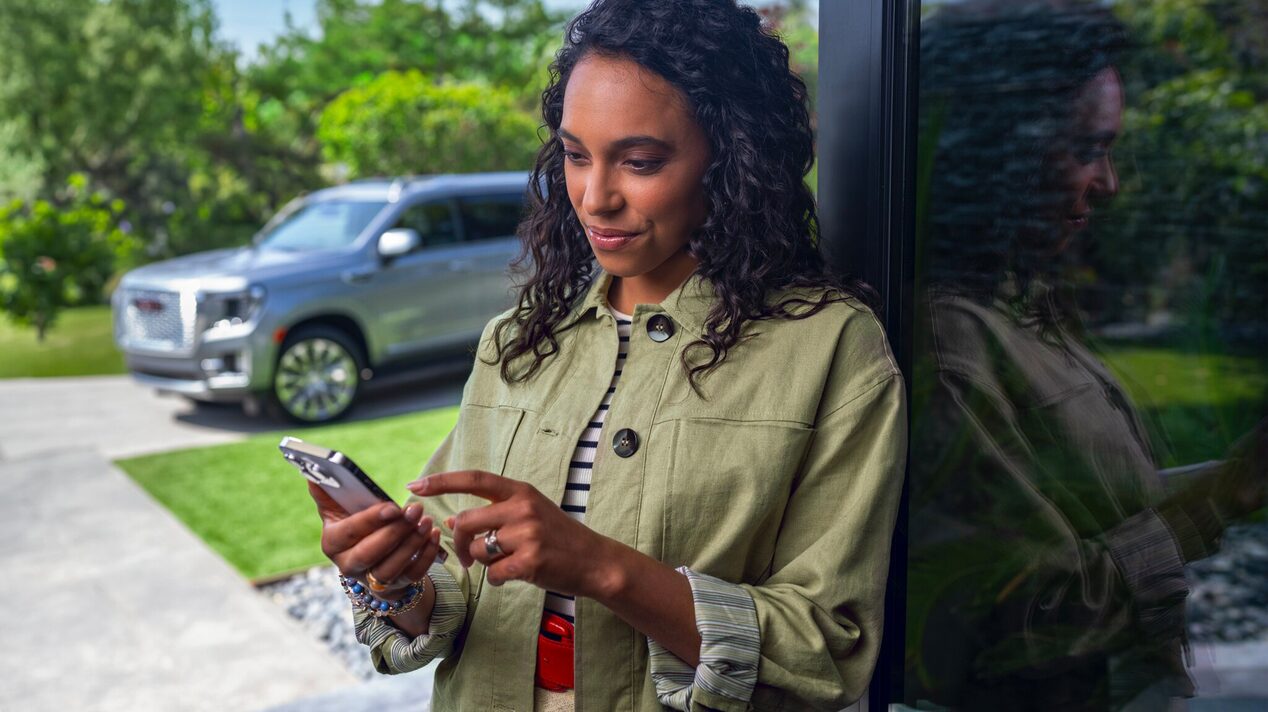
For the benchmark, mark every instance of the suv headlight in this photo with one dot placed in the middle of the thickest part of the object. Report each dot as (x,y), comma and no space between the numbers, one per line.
(231,309)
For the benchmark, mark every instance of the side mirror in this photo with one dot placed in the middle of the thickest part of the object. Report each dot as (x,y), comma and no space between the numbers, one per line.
(398,241)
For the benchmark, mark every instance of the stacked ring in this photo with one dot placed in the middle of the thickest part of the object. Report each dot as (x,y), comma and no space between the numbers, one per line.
(491,546)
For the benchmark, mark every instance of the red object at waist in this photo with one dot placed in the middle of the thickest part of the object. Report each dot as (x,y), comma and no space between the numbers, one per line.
(554,653)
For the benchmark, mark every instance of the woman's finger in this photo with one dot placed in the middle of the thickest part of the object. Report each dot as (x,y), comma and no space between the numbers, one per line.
(511,539)
(494,488)
(376,546)
(342,534)
(389,570)
(429,554)
(508,568)
(472,523)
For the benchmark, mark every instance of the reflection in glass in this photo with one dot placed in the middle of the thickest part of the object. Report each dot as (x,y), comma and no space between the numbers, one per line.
(1089,368)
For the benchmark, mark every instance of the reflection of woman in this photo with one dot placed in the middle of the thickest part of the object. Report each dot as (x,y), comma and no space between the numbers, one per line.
(1046,562)
(723,416)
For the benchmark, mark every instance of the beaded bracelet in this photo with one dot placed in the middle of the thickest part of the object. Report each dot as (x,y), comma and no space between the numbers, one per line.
(377,607)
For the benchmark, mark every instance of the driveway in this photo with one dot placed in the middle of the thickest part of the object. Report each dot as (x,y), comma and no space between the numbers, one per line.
(121,607)
(117,418)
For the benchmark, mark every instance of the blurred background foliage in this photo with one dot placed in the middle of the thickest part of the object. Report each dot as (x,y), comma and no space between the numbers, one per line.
(1185,239)
(195,145)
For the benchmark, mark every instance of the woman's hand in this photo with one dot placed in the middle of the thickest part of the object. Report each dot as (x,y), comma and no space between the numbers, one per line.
(396,547)
(540,543)
(1240,486)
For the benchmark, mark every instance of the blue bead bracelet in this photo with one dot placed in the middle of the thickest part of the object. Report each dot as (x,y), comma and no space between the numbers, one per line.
(378,607)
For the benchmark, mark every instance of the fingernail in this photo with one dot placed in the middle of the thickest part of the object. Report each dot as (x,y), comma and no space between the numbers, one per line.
(418,486)
(389,512)
(425,525)
(413,512)
(449,523)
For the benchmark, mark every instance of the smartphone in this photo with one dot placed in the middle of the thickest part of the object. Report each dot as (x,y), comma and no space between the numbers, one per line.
(335,473)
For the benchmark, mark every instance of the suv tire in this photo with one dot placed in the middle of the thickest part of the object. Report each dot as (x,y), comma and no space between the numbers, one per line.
(317,375)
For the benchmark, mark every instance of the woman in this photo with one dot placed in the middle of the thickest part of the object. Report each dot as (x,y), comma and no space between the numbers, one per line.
(1046,557)
(720,419)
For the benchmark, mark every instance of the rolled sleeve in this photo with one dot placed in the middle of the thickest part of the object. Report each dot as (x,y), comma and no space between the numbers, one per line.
(730,648)
(820,611)
(1148,558)
(393,652)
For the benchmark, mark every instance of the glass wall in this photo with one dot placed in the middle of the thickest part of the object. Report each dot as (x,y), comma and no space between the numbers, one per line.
(1087,524)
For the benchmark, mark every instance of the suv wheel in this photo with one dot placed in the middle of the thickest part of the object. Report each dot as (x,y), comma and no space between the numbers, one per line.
(317,374)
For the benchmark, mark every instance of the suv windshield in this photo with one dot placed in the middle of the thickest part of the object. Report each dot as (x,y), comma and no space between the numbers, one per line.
(324,225)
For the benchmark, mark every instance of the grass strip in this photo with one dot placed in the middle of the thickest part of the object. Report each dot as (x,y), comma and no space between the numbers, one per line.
(81,343)
(252,507)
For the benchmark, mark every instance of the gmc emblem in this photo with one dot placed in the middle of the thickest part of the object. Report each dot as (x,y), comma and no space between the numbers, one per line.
(149,306)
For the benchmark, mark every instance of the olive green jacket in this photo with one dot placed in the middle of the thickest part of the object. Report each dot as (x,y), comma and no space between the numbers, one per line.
(783,479)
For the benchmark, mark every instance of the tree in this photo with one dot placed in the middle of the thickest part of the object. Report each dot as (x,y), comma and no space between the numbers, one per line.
(52,257)
(109,89)
(402,123)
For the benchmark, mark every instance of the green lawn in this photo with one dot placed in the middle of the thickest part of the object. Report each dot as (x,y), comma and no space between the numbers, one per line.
(1194,404)
(79,344)
(252,507)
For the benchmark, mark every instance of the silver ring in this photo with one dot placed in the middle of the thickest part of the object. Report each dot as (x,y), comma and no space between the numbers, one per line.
(491,546)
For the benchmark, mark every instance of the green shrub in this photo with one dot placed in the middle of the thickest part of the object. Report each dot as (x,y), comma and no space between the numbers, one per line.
(53,257)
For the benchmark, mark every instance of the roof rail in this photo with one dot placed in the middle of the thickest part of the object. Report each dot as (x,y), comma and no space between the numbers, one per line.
(394,179)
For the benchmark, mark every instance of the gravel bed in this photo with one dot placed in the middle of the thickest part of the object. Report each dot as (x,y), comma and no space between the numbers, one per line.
(1228,597)
(1228,601)
(316,600)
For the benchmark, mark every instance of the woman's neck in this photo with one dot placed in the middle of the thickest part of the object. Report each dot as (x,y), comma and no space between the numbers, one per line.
(651,288)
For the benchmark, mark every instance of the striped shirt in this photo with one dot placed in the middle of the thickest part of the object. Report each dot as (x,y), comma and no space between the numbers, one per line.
(577,491)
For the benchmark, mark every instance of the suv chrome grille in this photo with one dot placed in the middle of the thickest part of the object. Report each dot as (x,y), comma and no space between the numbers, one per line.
(157,321)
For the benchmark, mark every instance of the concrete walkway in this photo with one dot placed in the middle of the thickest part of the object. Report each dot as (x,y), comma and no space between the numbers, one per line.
(116,606)
(113,603)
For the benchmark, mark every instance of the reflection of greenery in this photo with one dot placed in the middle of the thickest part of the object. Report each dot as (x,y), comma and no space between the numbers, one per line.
(1194,165)
(1199,403)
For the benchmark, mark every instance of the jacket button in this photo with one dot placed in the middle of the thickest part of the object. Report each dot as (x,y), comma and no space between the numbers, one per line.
(660,328)
(625,442)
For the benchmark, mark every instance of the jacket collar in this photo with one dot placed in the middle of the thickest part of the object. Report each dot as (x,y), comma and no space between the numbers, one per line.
(687,305)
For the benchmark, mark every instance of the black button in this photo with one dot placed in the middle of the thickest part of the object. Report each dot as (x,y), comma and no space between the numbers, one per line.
(660,328)
(625,442)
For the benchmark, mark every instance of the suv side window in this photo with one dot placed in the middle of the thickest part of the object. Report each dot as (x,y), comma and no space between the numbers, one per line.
(433,221)
(489,217)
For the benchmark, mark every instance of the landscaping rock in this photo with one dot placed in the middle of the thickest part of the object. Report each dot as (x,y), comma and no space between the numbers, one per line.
(317,601)
(1228,597)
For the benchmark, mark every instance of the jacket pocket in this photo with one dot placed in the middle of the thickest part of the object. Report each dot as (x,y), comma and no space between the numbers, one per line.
(483,438)
(728,484)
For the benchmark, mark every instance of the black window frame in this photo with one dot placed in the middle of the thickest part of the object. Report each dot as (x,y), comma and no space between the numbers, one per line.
(868,58)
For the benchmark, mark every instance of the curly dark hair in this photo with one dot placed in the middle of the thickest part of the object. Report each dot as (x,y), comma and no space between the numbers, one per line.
(761,232)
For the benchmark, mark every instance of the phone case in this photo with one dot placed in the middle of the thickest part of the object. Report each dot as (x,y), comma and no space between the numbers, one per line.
(335,473)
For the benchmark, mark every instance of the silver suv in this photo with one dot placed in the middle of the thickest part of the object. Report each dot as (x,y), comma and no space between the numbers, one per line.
(343,285)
